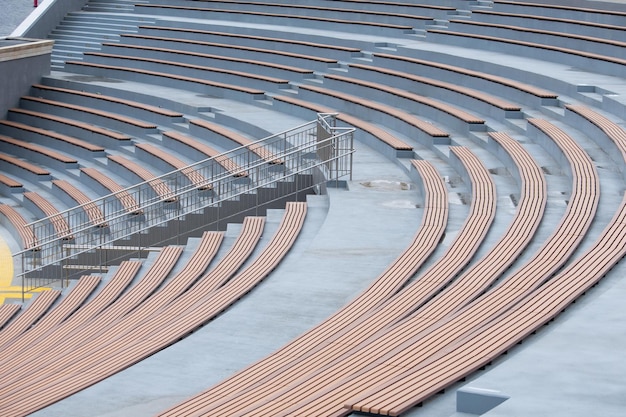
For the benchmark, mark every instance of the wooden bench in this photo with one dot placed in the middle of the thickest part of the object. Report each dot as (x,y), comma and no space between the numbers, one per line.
(18,222)
(432,132)
(7,312)
(69,303)
(538,22)
(178,67)
(226,50)
(95,134)
(117,284)
(35,310)
(149,112)
(171,80)
(224,161)
(104,118)
(391,280)
(583,43)
(545,96)
(33,151)
(460,118)
(553,52)
(160,187)
(299,20)
(401,148)
(94,213)
(60,224)
(330,50)
(235,138)
(563,10)
(129,203)
(555,251)
(194,176)
(131,299)
(510,109)
(180,56)
(153,335)
(10,182)
(534,309)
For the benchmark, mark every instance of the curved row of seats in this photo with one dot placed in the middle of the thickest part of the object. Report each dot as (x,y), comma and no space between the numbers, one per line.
(446,310)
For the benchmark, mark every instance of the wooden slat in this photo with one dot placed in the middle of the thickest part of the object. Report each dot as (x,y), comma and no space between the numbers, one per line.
(160,187)
(60,224)
(27,235)
(95,215)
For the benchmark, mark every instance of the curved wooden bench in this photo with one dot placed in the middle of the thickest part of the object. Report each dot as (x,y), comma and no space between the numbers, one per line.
(84,97)
(108,117)
(274,368)
(179,80)
(94,213)
(401,148)
(531,20)
(466,119)
(532,45)
(317,21)
(430,130)
(154,278)
(35,310)
(240,140)
(81,128)
(552,38)
(7,312)
(551,256)
(224,161)
(153,335)
(491,100)
(561,10)
(178,67)
(27,235)
(534,308)
(116,285)
(298,45)
(160,187)
(60,224)
(10,182)
(69,303)
(195,177)
(225,50)
(540,93)
(44,153)
(129,203)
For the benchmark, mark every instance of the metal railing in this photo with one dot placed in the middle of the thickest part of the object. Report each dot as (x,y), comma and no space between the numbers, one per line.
(203,196)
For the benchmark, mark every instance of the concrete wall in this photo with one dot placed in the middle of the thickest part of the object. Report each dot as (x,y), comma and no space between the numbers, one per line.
(22,63)
(46,17)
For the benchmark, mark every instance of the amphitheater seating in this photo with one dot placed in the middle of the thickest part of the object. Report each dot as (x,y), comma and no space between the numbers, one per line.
(128,202)
(60,224)
(176,139)
(116,285)
(160,187)
(35,310)
(116,356)
(416,330)
(99,138)
(67,306)
(325,52)
(18,223)
(37,153)
(218,131)
(190,61)
(90,115)
(7,312)
(94,213)
(289,19)
(143,111)
(167,79)
(194,176)
(480,312)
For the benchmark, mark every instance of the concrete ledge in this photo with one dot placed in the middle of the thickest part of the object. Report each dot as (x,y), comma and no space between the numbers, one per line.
(478,401)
